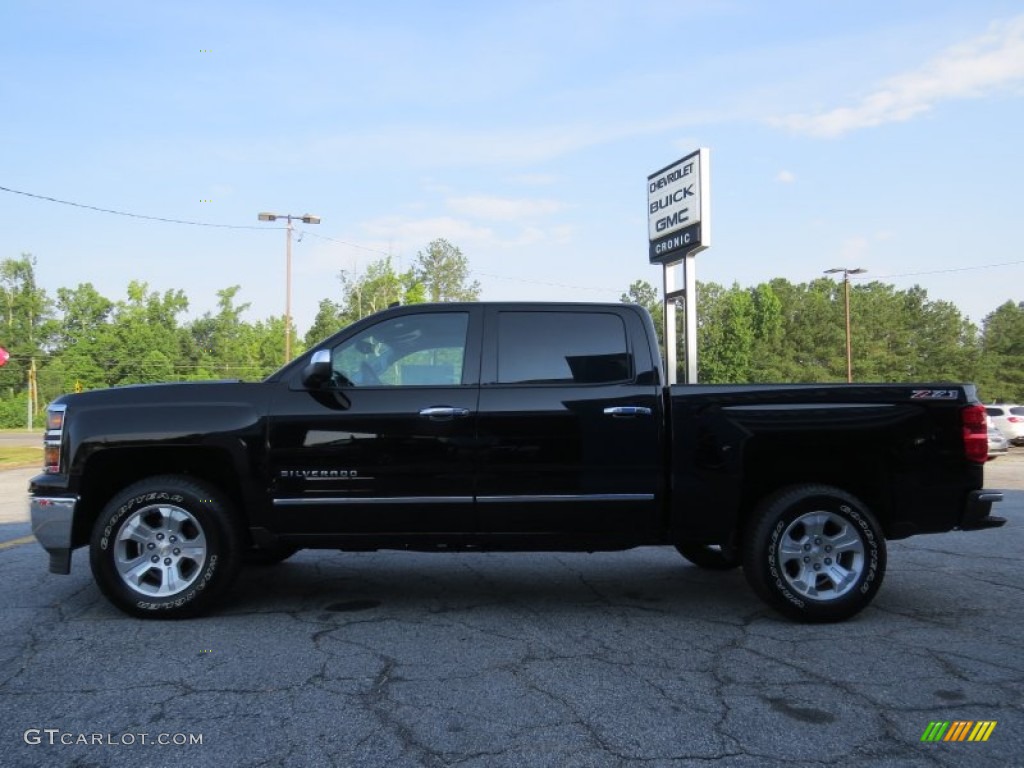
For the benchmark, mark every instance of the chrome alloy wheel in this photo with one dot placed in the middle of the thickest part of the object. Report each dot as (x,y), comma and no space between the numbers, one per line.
(160,550)
(821,555)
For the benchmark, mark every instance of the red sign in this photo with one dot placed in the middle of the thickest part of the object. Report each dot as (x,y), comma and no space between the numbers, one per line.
(4,357)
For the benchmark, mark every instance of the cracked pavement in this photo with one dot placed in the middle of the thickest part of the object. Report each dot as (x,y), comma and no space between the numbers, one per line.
(561,660)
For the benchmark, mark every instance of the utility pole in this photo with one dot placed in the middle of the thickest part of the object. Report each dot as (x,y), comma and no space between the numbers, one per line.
(846,285)
(33,392)
(307,218)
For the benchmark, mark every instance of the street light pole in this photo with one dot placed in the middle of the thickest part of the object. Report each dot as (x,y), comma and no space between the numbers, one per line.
(305,219)
(288,292)
(846,286)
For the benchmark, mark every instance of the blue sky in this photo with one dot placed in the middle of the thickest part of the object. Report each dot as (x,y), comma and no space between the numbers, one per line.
(878,135)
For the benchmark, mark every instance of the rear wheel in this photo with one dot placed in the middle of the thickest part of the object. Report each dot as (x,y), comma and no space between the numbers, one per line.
(815,553)
(709,556)
(165,547)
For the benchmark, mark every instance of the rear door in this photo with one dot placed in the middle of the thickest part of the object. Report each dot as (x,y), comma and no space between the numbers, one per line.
(570,440)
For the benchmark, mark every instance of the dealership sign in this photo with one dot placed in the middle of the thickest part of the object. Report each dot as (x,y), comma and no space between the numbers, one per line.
(678,203)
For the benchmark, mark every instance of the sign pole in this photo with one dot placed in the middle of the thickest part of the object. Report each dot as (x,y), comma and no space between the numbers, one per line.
(690,278)
(669,288)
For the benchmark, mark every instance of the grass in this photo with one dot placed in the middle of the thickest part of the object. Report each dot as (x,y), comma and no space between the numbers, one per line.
(20,456)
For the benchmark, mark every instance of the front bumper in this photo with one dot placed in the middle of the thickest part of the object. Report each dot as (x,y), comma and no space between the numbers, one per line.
(977,513)
(52,520)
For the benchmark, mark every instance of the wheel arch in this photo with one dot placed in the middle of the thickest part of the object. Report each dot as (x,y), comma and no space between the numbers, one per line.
(108,471)
(769,469)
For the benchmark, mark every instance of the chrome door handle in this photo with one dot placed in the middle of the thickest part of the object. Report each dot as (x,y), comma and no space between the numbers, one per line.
(444,413)
(627,411)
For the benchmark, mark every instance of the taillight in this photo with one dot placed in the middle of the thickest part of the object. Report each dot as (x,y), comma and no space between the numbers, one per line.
(53,438)
(975,433)
(1014,419)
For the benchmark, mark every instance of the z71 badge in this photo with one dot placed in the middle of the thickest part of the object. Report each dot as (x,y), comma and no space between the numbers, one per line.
(934,394)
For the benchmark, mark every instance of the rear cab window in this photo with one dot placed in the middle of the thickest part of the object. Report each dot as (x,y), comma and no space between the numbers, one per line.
(570,348)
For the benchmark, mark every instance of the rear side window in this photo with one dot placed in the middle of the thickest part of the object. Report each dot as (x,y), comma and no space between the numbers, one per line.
(562,348)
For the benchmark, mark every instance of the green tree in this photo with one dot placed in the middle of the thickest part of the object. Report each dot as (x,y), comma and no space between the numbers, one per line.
(82,337)
(443,271)
(725,334)
(327,322)
(778,331)
(26,329)
(267,340)
(83,314)
(904,336)
(768,334)
(440,273)
(376,289)
(812,342)
(224,345)
(646,295)
(1001,364)
(948,345)
(146,342)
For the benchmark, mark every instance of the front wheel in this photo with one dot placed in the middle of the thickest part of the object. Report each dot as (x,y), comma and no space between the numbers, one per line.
(165,547)
(815,553)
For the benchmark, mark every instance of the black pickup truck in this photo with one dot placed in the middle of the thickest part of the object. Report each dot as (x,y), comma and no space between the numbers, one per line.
(504,427)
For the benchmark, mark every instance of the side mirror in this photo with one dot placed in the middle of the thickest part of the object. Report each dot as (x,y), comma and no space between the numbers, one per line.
(318,371)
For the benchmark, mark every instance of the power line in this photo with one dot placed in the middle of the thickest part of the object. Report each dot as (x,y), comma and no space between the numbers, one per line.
(135,215)
(472,271)
(305,232)
(941,271)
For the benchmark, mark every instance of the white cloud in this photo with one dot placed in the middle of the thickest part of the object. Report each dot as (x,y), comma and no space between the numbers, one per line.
(786,177)
(686,144)
(503,209)
(971,69)
(852,250)
(535,179)
(431,146)
(405,236)
(856,251)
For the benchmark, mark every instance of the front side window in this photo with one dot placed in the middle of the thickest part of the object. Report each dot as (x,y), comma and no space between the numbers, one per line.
(411,350)
(562,348)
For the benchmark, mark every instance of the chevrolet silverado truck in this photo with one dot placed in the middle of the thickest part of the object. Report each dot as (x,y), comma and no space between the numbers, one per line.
(504,427)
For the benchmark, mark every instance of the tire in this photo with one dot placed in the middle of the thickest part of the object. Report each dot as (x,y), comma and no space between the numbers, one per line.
(261,557)
(141,525)
(709,556)
(815,553)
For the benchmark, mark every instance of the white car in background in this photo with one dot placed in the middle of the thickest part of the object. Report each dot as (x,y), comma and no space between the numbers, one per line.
(1009,419)
(997,442)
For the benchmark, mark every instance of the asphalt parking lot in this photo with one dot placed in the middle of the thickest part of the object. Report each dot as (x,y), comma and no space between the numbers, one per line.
(405,659)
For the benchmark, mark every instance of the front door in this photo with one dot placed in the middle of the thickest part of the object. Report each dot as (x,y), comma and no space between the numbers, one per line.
(388,445)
